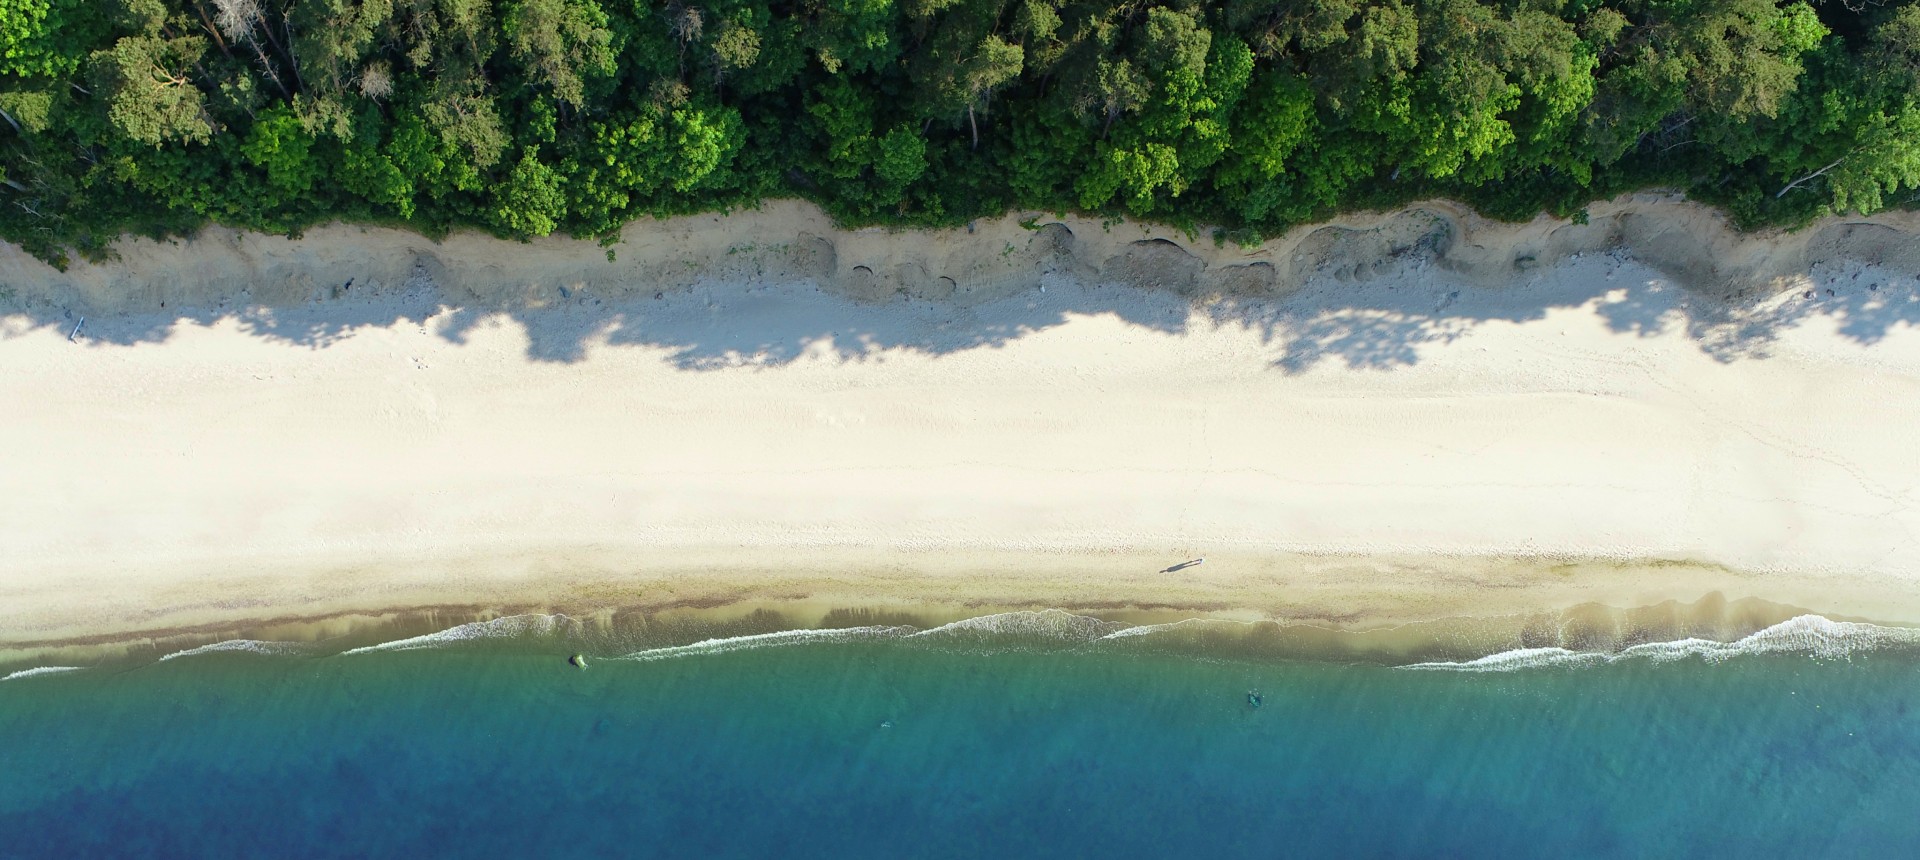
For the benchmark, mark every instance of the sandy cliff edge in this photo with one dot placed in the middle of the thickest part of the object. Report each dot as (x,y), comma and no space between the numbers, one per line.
(790,240)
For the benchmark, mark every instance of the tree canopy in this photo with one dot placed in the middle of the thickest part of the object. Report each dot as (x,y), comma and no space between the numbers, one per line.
(528,117)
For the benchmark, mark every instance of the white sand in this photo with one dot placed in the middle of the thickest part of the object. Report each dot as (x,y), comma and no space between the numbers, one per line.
(1331,445)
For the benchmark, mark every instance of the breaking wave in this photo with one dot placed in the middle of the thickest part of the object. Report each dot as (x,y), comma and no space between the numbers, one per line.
(38,671)
(754,641)
(243,646)
(1045,627)
(1812,635)
(509,627)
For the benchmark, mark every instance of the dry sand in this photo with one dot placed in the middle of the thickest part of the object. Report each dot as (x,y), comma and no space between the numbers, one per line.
(1406,416)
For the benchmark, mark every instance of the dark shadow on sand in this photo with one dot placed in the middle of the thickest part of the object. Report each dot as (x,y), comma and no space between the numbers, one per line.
(1388,324)
(1382,323)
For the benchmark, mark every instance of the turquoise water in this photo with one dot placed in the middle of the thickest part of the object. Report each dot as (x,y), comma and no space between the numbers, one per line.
(982,743)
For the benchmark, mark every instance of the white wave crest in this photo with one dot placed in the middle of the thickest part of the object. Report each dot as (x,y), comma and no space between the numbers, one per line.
(1806,634)
(38,671)
(498,628)
(1519,658)
(1810,634)
(1051,625)
(769,640)
(245,646)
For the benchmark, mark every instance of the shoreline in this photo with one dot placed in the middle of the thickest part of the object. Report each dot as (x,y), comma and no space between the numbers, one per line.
(1451,608)
(1402,418)
(1447,620)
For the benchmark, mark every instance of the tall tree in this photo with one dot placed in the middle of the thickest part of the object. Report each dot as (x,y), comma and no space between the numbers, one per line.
(150,96)
(562,43)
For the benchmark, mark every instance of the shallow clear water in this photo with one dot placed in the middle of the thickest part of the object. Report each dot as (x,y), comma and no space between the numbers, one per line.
(881,748)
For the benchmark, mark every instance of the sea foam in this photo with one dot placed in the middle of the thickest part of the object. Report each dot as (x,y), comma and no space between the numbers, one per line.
(1812,635)
(38,671)
(1045,626)
(770,640)
(1020,629)
(508,627)
(243,646)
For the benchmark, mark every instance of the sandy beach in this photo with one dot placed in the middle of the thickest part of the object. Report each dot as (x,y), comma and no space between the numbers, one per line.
(1414,415)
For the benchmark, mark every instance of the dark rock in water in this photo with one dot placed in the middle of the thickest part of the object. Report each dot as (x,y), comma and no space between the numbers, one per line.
(578,660)
(1255,699)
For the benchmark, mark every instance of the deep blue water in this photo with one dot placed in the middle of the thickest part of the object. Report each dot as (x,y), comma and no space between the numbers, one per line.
(883,749)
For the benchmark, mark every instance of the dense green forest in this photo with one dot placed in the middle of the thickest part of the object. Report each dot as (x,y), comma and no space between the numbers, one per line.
(527,117)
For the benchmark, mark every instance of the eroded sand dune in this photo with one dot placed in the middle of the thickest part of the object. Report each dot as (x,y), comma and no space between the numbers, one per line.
(789,241)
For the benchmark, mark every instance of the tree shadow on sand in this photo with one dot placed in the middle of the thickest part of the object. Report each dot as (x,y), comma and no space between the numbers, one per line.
(315,325)
(1384,323)
(706,329)
(1390,324)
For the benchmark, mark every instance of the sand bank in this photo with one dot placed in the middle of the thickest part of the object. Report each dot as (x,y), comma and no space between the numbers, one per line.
(1406,416)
